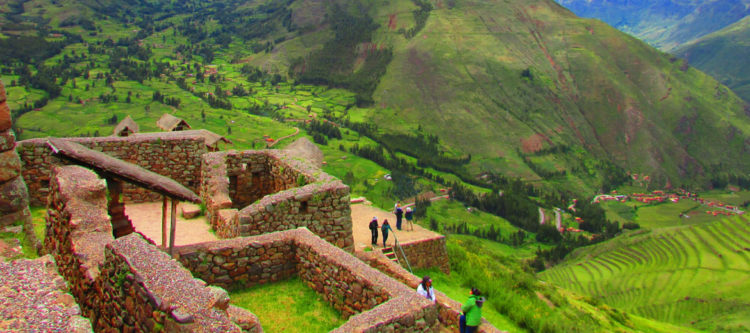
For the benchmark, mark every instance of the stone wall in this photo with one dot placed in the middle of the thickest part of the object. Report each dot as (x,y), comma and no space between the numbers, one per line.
(147,291)
(176,155)
(373,301)
(285,193)
(33,298)
(131,285)
(14,197)
(426,253)
(241,262)
(448,309)
(78,229)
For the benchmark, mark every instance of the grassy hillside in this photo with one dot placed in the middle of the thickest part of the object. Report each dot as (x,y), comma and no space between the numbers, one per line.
(518,302)
(690,275)
(725,55)
(521,88)
(666,24)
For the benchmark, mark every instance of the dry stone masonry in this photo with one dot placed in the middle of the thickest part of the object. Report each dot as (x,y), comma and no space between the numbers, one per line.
(372,301)
(156,293)
(14,197)
(176,155)
(126,284)
(426,253)
(274,192)
(33,298)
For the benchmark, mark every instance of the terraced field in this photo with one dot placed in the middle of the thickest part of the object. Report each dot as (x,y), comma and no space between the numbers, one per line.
(696,275)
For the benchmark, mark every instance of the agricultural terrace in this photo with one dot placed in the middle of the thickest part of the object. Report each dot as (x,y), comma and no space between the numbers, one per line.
(687,275)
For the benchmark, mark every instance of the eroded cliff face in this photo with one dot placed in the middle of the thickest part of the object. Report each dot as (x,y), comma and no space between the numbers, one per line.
(14,198)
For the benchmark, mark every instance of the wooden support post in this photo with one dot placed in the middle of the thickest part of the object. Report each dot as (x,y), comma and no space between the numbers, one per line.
(164,223)
(174,227)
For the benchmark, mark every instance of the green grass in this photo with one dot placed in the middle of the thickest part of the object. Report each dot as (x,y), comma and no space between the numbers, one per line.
(691,275)
(288,306)
(38,215)
(666,214)
(518,302)
(27,250)
(455,287)
(449,212)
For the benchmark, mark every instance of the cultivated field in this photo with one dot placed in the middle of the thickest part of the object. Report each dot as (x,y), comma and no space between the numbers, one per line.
(695,275)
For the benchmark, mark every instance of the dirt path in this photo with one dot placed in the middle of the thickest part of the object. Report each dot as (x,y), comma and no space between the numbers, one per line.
(361,216)
(146,219)
(296,131)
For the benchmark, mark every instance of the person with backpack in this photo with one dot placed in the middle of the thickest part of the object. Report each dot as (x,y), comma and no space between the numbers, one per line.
(425,289)
(472,312)
(374,230)
(399,215)
(409,215)
(385,229)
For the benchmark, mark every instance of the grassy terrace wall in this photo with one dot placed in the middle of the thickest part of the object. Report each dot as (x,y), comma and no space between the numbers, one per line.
(176,155)
(373,301)
(126,284)
(280,193)
(448,309)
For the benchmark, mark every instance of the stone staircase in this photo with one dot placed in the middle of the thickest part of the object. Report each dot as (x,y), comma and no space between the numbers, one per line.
(390,253)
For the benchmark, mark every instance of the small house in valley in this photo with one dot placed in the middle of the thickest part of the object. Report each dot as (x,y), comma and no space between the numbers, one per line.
(170,123)
(126,127)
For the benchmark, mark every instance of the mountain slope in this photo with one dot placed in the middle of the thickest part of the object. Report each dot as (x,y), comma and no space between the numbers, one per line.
(665,24)
(522,88)
(725,55)
(487,77)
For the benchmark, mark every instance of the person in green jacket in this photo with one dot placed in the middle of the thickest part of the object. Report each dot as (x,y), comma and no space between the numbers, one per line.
(472,317)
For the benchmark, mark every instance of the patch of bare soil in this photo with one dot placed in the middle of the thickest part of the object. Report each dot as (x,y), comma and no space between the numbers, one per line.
(146,219)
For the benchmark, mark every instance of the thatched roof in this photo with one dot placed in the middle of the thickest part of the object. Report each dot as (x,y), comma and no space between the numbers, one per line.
(212,138)
(129,172)
(169,122)
(127,124)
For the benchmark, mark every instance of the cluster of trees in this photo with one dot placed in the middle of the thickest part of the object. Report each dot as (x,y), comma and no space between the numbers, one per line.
(333,65)
(490,233)
(421,15)
(161,98)
(516,207)
(322,131)
(30,49)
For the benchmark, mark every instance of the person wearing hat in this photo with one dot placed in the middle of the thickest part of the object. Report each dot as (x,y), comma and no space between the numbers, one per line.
(409,215)
(472,317)
(374,230)
(399,215)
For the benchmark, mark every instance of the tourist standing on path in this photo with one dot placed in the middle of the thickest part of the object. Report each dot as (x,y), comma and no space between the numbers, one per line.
(409,215)
(399,215)
(425,289)
(374,230)
(472,317)
(385,228)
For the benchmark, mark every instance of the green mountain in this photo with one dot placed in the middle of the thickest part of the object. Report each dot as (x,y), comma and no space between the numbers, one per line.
(520,88)
(666,24)
(725,55)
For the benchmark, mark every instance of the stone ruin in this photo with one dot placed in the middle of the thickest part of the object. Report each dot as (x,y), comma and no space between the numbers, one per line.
(282,217)
(14,198)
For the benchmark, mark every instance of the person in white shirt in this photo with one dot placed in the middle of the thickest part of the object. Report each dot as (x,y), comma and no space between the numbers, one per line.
(425,289)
